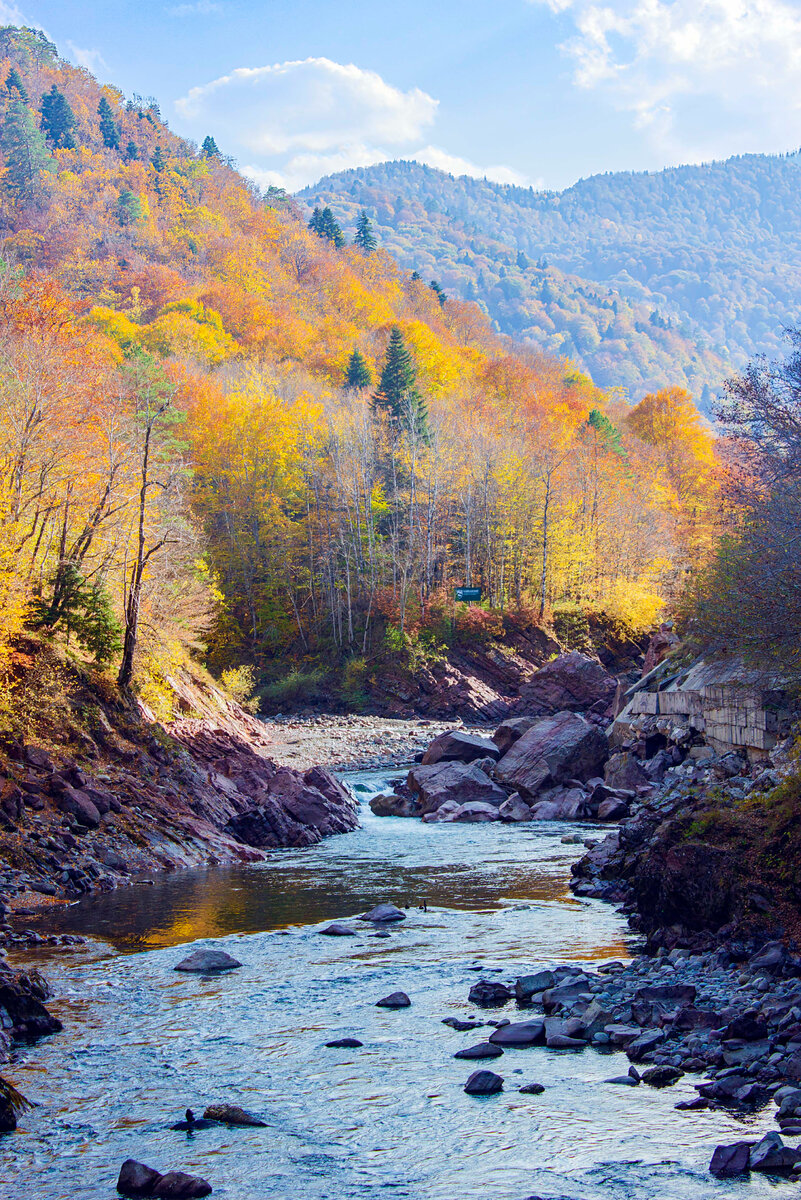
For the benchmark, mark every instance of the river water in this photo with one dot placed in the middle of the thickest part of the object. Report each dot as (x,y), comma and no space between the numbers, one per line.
(141,1042)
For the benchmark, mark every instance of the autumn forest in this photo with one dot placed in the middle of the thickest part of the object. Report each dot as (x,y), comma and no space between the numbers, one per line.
(231,427)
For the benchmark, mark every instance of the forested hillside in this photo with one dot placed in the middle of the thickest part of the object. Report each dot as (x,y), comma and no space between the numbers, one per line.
(688,270)
(221,428)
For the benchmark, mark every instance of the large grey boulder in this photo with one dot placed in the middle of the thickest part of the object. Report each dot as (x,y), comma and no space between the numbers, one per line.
(455,746)
(510,731)
(572,682)
(514,809)
(623,771)
(519,1033)
(392,805)
(475,812)
(208,962)
(557,749)
(433,785)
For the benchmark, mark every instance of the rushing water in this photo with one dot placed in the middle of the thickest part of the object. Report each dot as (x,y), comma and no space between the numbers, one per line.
(141,1043)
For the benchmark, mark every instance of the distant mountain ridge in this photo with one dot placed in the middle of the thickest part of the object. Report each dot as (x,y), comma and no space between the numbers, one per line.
(672,277)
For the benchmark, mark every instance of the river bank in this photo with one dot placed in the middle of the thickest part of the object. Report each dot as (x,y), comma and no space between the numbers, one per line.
(351,1122)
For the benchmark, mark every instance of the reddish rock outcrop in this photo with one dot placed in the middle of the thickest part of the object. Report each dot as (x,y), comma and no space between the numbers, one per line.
(557,749)
(571,682)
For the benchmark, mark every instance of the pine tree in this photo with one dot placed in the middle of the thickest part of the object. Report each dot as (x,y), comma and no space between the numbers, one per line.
(58,119)
(607,433)
(209,149)
(109,130)
(417,277)
(438,292)
(358,374)
(325,225)
(398,395)
(26,154)
(129,208)
(158,161)
(131,152)
(365,239)
(14,81)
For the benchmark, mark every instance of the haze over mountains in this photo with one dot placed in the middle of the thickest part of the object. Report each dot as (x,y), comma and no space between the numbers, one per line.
(646,280)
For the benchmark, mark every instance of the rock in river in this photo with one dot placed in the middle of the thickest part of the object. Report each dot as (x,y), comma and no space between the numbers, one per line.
(489,994)
(519,1033)
(532,1089)
(456,746)
(463,782)
(728,1161)
(208,962)
(484,1083)
(346,1043)
(555,750)
(394,1000)
(481,1050)
(382,913)
(135,1179)
(232,1114)
(337,929)
(176,1185)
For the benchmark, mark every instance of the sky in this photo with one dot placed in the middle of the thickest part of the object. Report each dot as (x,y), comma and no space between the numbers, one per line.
(534,92)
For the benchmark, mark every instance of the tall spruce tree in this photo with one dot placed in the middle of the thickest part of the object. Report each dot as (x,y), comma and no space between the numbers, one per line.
(14,85)
(398,395)
(325,225)
(158,160)
(438,292)
(358,374)
(109,130)
(365,239)
(209,149)
(58,119)
(26,154)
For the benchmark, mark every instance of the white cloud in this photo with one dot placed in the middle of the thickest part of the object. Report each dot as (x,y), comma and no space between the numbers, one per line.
(199,8)
(11,15)
(433,156)
(294,122)
(701,78)
(91,60)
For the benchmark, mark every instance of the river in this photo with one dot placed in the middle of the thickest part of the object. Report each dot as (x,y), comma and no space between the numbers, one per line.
(141,1042)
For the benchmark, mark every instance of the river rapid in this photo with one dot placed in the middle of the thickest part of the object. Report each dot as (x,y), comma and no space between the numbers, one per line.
(141,1042)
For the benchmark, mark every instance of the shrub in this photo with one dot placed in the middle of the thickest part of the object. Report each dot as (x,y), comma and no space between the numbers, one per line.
(296,686)
(240,684)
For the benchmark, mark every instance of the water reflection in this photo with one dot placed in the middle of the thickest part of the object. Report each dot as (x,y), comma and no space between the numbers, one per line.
(142,1042)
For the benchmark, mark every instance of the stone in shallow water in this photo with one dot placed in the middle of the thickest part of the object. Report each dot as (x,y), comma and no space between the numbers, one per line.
(346,1043)
(394,1000)
(208,961)
(480,1050)
(337,929)
(662,1076)
(728,1161)
(489,994)
(623,1080)
(519,1033)
(532,1089)
(484,1083)
(384,912)
(176,1185)
(136,1179)
(232,1114)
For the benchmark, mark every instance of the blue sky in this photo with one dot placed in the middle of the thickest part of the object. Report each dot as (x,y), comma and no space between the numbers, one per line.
(539,92)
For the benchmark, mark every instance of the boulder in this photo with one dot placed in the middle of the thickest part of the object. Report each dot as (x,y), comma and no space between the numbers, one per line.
(772,1156)
(394,1000)
(383,913)
(207,962)
(337,929)
(455,746)
(480,1050)
(483,1083)
(514,809)
(612,810)
(307,804)
(465,783)
(623,771)
(555,750)
(510,730)
(232,1114)
(78,805)
(487,993)
(176,1185)
(135,1179)
(661,1076)
(519,1033)
(346,1043)
(623,1081)
(476,812)
(531,1089)
(771,958)
(443,813)
(679,993)
(392,805)
(561,804)
(728,1161)
(528,986)
(570,682)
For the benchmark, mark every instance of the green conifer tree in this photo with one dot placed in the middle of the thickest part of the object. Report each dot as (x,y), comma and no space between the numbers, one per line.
(438,292)
(26,155)
(398,395)
(358,374)
(325,225)
(131,152)
(314,223)
(209,149)
(416,277)
(14,85)
(58,119)
(158,161)
(365,239)
(129,208)
(109,130)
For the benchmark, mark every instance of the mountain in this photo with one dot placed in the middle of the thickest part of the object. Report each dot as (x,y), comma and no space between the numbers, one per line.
(645,279)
